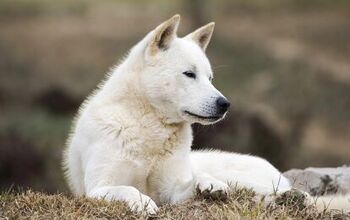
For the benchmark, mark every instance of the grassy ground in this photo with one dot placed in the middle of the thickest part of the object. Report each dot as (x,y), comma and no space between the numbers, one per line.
(239,205)
(284,65)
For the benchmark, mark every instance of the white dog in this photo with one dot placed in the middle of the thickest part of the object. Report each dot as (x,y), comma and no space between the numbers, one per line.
(132,137)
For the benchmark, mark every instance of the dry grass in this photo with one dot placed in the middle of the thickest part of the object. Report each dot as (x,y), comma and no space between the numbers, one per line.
(239,205)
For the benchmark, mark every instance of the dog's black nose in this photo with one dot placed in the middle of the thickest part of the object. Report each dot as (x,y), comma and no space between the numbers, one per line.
(222,104)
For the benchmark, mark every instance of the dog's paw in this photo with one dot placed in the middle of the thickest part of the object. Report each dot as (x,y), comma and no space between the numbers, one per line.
(212,189)
(144,203)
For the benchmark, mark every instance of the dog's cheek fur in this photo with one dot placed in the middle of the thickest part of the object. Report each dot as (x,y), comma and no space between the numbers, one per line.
(161,92)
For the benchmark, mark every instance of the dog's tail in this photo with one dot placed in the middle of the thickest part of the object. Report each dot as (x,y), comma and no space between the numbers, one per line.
(332,202)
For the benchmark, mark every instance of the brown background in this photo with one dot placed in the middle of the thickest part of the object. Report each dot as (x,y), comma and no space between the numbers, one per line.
(283,64)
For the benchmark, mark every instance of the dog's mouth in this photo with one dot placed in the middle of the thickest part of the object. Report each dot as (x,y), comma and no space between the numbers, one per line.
(202,117)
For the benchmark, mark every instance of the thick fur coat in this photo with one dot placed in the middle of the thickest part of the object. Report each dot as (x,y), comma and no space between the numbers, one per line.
(132,137)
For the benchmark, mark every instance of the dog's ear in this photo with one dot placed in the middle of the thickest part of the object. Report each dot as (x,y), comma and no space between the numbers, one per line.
(202,35)
(164,34)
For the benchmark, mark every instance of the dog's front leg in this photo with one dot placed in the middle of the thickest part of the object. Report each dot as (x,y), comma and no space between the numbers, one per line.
(114,179)
(179,181)
(183,184)
(200,184)
(133,197)
(181,191)
(209,187)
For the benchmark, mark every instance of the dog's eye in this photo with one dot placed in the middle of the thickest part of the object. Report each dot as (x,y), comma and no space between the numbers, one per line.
(189,74)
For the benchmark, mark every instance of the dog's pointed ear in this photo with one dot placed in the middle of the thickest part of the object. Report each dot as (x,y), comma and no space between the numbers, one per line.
(164,34)
(202,35)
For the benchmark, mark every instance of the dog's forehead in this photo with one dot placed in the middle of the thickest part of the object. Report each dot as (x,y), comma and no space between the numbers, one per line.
(194,56)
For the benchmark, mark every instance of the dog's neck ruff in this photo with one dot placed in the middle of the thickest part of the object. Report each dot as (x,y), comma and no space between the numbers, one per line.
(141,129)
(163,137)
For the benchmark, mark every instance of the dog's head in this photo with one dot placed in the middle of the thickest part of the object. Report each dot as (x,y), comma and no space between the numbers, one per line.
(177,76)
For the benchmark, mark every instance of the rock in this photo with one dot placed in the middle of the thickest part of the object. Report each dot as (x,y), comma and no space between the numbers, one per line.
(321,181)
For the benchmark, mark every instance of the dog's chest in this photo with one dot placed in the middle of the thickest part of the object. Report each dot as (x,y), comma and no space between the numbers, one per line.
(152,145)
(151,141)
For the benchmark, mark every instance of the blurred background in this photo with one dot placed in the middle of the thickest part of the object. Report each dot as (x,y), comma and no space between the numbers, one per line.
(285,66)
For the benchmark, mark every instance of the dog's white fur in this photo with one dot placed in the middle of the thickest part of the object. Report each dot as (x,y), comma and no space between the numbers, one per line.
(132,137)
